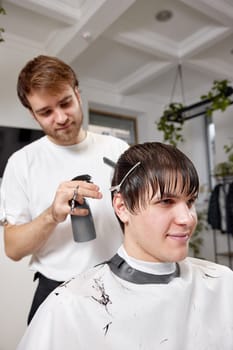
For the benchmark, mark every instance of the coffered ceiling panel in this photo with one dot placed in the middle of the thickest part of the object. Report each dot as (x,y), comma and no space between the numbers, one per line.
(133,47)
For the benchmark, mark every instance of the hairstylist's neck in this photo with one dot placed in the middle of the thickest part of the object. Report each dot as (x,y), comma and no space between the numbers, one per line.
(67,141)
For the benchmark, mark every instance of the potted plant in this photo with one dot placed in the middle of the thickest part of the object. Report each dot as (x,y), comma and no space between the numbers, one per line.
(225,169)
(171,122)
(219,95)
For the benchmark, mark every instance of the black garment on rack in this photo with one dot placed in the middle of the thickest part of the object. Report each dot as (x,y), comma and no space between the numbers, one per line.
(214,213)
(229,209)
(215,209)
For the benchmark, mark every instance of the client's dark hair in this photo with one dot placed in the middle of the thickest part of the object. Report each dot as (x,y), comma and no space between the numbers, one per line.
(161,167)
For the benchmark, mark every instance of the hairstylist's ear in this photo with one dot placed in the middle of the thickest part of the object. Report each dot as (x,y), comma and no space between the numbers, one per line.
(32,114)
(77,93)
(120,208)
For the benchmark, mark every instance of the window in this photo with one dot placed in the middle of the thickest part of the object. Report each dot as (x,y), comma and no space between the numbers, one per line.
(123,127)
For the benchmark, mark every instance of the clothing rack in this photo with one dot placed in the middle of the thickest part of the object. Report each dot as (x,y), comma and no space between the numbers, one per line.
(228,253)
(224,180)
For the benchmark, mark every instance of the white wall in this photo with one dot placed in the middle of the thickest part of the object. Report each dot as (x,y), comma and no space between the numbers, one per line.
(16,295)
(12,113)
(16,281)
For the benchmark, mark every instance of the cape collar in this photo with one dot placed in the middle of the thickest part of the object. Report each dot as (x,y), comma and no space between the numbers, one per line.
(123,270)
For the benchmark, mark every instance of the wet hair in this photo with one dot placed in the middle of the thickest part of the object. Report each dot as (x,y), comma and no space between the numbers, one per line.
(163,169)
(44,73)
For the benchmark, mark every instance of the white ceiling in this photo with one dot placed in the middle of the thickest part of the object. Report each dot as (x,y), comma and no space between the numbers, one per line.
(118,45)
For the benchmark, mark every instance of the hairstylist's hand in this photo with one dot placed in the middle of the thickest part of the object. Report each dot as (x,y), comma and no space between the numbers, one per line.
(72,190)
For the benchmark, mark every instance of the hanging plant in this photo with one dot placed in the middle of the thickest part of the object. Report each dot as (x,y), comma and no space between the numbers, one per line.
(172,127)
(171,122)
(225,169)
(2,12)
(219,95)
(229,151)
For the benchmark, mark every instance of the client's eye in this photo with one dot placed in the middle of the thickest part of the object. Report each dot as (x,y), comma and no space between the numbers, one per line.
(191,202)
(164,201)
(167,201)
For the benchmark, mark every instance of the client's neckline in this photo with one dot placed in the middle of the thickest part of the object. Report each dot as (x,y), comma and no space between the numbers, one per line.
(123,270)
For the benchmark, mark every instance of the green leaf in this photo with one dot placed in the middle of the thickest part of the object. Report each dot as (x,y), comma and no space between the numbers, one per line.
(171,123)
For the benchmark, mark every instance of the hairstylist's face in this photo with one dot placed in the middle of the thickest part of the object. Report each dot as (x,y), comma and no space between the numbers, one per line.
(59,115)
(161,231)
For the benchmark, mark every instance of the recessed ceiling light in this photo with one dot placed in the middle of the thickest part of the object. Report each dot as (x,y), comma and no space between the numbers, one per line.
(86,35)
(163,15)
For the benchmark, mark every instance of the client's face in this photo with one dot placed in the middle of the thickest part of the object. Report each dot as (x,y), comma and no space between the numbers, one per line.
(161,231)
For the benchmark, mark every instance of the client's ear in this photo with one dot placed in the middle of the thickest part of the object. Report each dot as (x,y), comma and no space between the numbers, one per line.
(120,208)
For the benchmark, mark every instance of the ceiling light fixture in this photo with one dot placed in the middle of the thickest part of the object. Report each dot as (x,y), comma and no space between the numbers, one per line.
(163,15)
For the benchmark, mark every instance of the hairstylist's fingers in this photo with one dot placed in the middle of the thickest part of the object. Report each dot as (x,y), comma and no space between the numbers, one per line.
(70,193)
(74,199)
(86,189)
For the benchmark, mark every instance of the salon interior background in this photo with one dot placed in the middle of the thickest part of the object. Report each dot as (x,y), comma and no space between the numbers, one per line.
(126,53)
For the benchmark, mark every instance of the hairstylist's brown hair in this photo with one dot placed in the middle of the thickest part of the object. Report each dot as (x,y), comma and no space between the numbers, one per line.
(162,168)
(44,73)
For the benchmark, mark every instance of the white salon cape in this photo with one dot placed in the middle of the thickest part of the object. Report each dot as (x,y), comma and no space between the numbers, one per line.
(99,310)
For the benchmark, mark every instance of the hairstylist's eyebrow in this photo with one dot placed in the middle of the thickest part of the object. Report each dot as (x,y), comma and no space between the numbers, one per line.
(44,109)
(41,110)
